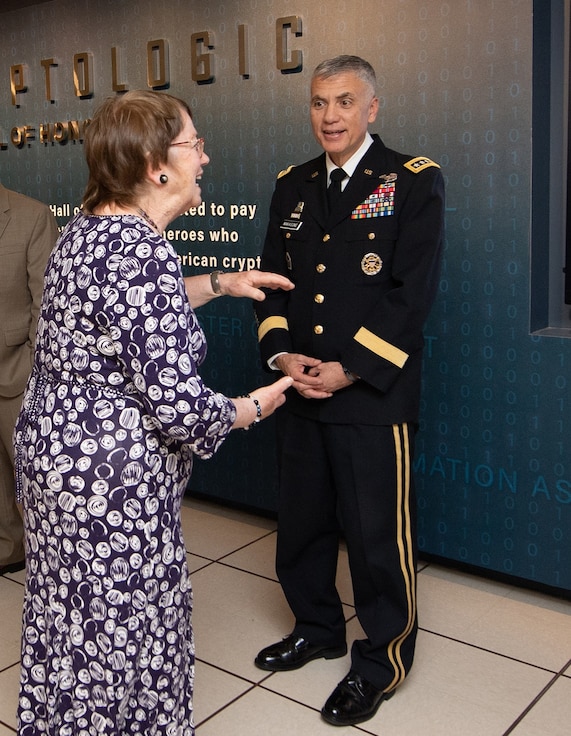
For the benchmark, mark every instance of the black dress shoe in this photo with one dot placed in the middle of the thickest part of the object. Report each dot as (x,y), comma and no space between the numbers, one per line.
(353,701)
(12,567)
(293,652)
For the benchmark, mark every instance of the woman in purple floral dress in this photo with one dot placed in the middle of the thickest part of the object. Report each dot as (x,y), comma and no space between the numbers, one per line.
(114,412)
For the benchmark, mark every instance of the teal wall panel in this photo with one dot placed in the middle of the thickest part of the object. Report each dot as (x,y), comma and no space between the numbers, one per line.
(455,84)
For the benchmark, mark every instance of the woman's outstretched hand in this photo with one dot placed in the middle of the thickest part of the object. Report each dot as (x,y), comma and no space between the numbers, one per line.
(249,284)
(260,403)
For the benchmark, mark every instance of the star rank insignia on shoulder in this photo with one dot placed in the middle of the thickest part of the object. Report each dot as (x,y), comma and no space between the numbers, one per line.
(419,163)
(285,172)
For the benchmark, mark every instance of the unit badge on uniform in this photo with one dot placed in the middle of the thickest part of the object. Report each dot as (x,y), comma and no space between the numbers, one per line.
(371,264)
(379,203)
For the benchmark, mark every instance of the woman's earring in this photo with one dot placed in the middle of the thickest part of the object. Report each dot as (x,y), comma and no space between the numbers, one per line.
(163,178)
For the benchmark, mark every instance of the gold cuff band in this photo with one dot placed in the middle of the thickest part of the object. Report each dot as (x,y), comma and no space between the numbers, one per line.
(381,347)
(271,323)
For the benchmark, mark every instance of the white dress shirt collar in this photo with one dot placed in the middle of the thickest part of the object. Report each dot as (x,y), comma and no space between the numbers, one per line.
(351,164)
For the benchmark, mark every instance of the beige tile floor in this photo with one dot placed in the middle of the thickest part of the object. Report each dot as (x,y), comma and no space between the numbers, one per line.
(491,659)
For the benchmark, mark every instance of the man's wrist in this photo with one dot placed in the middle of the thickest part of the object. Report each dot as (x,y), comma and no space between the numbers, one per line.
(353,377)
(272,362)
(278,362)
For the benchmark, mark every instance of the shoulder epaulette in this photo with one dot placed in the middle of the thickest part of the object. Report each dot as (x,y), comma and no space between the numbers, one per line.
(284,172)
(419,163)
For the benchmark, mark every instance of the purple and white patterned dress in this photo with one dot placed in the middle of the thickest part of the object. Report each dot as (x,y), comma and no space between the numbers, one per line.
(113,413)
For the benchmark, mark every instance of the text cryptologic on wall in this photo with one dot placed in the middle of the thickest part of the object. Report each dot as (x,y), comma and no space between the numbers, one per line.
(202,62)
(202,70)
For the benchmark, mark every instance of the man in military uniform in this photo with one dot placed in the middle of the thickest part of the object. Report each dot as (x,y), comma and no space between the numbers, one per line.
(365,267)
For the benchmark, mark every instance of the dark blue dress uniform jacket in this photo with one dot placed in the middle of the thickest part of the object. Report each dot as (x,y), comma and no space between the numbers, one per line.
(365,278)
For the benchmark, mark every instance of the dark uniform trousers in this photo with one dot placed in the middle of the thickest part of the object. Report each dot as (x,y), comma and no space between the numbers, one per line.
(357,480)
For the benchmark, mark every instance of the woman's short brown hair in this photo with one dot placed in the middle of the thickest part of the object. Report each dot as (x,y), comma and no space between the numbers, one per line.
(126,134)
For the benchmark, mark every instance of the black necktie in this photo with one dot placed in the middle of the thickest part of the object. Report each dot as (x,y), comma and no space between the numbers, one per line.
(334,188)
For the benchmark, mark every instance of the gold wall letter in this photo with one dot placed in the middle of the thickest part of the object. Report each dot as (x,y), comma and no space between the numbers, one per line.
(47,64)
(115,70)
(17,83)
(201,70)
(158,74)
(83,74)
(285,26)
(243,50)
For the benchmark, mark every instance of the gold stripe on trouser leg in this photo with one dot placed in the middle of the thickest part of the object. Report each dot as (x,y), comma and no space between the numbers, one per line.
(405,547)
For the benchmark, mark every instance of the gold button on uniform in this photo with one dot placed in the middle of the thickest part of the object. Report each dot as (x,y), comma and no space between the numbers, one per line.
(320,268)
(371,236)
(319,298)
(326,237)
(318,329)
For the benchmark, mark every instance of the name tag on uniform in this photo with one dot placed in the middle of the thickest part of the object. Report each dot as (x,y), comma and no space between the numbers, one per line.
(291,225)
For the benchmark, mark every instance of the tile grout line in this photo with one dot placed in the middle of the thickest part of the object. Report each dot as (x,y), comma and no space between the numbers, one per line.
(498,654)
(232,552)
(537,698)
(225,707)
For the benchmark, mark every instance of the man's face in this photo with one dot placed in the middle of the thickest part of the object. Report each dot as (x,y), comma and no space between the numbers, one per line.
(341,109)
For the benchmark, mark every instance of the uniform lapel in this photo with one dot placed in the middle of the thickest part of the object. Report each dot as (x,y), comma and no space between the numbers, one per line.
(313,192)
(365,180)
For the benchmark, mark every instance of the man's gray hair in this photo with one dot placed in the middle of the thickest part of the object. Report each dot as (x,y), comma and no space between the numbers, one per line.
(346,63)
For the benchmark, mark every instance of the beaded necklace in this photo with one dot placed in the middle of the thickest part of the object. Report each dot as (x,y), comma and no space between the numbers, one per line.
(151,222)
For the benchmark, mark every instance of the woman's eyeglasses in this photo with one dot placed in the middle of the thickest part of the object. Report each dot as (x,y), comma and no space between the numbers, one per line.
(198,144)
